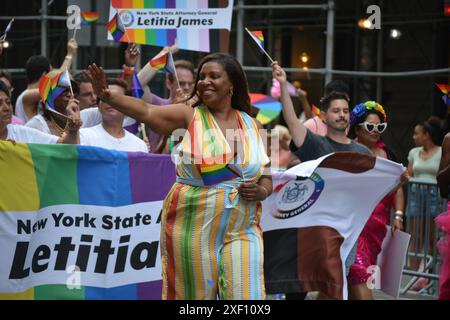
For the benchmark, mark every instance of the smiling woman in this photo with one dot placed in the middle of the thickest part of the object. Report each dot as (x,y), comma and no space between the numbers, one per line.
(368,122)
(211,241)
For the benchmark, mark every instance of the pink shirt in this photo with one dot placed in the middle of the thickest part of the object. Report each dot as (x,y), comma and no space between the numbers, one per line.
(316,126)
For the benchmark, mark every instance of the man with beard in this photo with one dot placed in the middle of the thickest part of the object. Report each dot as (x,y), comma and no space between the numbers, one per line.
(310,146)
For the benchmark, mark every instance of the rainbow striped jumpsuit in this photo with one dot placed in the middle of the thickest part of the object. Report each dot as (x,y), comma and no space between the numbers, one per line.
(211,241)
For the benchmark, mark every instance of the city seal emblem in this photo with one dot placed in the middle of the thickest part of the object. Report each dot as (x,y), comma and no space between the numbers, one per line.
(296,196)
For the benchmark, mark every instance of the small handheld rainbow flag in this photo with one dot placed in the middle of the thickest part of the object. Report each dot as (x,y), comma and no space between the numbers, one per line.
(51,88)
(445,89)
(258,37)
(136,87)
(88,17)
(214,173)
(316,111)
(116,27)
(8,28)
(163,62)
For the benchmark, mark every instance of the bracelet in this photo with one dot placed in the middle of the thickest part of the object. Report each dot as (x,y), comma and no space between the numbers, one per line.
(68,57)
(398,218)
(399,213)
(128,71)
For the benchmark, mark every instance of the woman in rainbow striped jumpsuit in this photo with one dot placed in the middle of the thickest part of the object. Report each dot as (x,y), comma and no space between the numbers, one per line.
(211,241)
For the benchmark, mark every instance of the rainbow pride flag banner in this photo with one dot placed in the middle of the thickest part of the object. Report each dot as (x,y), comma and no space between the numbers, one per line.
(80,222)
(198,25)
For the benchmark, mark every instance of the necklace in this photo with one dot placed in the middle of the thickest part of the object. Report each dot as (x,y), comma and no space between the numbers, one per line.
(56,126)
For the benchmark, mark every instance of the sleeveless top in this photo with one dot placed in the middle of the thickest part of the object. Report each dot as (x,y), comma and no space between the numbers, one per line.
(205,157)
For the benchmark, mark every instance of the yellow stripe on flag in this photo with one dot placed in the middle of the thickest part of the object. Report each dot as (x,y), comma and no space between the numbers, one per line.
(138,4)
(26,295)
(139,36)
(19,190)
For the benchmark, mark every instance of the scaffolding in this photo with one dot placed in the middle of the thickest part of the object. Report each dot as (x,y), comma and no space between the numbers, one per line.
(239,8)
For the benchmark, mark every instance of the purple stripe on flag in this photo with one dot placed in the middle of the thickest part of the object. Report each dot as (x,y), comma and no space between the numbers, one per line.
(146,170)
(202,4)
(149,290)
(203,40)
(171,35)
(170,4)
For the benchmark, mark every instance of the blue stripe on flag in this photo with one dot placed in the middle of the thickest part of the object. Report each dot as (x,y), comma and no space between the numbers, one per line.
(103,177)
(128,292)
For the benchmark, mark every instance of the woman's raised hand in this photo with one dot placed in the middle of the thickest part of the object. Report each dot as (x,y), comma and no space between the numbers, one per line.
(278,72)
(74,122)
(98,80)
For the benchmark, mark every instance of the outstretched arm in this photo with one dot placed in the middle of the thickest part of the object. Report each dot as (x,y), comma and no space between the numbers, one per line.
(72,47)
(161,119)
(132,54)
(297,129)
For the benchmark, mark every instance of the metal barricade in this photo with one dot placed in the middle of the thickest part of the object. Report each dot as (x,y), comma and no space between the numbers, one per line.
(423,261)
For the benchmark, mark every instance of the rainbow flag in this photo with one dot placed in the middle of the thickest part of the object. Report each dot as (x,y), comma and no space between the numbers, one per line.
(445,89)
(51,88)
(316,111)
(168,4)
(88,17)
(136,87)
(199,39)
(258,37)
(116,27)
(216,170)
(74,180)
(163,62)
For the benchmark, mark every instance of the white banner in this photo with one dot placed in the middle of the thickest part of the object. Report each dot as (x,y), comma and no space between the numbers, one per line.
(80,245)
(216,18)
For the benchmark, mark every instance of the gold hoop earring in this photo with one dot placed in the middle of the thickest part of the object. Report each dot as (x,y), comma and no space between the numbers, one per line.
(231,92)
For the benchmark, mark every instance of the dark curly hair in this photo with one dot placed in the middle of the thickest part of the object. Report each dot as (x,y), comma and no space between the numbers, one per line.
(240,99)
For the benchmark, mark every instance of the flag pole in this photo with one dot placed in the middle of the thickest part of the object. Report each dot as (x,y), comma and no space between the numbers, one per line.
(262,48)
(3,37)
(70,82)
(174,69)
(74,33)
(144,132)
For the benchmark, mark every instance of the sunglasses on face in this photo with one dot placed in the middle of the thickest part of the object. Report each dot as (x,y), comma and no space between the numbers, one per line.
(370,126)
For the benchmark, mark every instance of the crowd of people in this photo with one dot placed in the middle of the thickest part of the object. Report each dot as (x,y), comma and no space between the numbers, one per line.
(222,213)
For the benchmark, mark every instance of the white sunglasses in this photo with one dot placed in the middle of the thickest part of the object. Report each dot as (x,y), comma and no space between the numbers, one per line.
(370,126)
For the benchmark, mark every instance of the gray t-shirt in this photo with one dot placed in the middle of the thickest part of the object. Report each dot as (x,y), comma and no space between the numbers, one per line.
(316,146)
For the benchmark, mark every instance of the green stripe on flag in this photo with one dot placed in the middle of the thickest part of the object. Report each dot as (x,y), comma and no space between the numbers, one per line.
(150,36)
(56,173)
(150,4)
(59,292)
